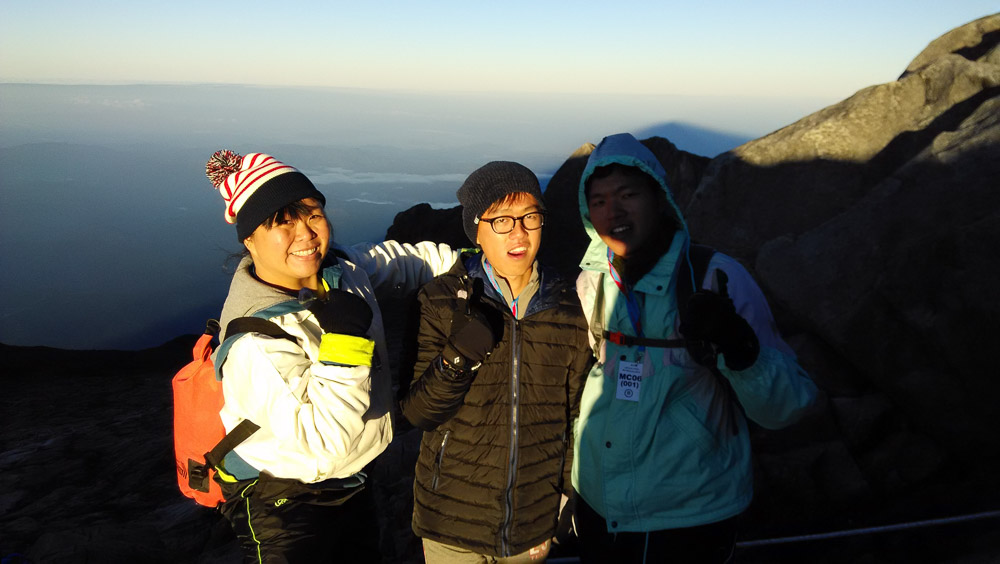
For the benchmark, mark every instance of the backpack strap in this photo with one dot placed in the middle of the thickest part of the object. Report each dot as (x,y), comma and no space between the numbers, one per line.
(255,325)
(212,327)
(600,334)
(630,341)
(700,256)
(232,439)
(597,317)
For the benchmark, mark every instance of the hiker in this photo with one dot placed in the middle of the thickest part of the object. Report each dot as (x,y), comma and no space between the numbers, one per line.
(502,353)
(296,489)
(662,464)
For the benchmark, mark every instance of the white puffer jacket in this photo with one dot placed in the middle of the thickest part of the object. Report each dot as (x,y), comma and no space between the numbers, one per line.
(317,421)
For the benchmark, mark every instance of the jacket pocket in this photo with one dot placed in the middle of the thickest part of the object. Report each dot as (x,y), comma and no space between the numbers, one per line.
(439,460)
(688,417)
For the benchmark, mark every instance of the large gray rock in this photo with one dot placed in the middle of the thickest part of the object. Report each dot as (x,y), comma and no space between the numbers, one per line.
(805,174)
(892,270)
(874,227)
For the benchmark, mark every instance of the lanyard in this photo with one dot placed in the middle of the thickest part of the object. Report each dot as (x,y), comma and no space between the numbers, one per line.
(493,280)
(631,299)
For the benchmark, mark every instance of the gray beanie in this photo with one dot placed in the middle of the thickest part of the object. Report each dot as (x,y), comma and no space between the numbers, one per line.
(488,185)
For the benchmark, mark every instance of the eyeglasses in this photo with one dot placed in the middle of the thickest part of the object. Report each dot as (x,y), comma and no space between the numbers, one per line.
(505,224)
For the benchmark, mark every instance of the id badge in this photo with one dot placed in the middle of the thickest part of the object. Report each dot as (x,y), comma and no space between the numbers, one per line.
(629,381)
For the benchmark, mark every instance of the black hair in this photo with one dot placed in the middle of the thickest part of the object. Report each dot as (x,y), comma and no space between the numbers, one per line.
(298,208)
(513,197)
(608,170)
(626,170)
(651,183)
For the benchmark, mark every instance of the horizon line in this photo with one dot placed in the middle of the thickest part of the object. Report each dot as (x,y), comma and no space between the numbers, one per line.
(484,93)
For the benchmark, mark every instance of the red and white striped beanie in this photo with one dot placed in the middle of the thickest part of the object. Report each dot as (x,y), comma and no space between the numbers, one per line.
(256,186)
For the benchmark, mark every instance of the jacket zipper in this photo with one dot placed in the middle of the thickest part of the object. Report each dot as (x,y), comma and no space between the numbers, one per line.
(515,377)
(440,459)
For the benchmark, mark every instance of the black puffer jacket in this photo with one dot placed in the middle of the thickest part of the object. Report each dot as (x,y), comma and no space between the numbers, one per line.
(494,457)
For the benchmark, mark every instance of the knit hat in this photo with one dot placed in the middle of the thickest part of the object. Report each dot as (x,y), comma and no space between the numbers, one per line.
(256,186)
(488,185)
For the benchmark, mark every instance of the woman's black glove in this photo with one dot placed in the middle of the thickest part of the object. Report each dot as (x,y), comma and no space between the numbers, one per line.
(340,312)
(475,331)
(711,317)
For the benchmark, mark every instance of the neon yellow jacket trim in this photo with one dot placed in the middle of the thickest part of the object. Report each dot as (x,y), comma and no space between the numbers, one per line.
(347,350)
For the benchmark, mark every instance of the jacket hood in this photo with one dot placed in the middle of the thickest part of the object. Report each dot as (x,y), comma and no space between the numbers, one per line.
(624,149)
(248,296)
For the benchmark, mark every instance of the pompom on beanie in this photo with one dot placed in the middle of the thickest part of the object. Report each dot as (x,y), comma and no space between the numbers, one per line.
(488,185)
(256,186)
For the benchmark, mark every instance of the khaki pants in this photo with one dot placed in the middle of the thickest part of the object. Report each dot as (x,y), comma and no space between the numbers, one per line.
(437,553)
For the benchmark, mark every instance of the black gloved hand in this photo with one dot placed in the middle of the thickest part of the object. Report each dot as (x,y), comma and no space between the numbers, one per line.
(340,312)
(712,317)
(474,331)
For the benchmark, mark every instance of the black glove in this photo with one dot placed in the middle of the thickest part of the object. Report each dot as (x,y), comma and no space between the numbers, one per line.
(340,312)
(474,333)
(712,317)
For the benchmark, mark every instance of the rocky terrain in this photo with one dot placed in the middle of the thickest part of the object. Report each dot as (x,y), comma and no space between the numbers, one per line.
(873,226)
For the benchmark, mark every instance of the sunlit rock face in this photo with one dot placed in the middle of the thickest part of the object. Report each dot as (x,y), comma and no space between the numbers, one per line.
(872,225)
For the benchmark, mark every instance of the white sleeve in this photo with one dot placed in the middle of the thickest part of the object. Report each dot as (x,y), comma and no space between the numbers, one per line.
(748,299)
(309,407)
(401,266)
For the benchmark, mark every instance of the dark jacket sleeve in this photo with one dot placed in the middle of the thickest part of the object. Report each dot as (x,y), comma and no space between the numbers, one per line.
(576,379)
(436,393)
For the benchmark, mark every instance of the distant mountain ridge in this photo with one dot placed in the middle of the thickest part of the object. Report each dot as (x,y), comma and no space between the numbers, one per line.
(693,138)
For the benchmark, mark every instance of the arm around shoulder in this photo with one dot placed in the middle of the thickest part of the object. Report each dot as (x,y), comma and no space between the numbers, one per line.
(401,266)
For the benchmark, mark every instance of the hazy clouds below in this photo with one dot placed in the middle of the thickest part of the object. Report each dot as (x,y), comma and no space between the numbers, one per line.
(113,237)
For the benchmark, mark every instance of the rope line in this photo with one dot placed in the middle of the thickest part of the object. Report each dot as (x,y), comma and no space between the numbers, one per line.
(840,534)
(869,530)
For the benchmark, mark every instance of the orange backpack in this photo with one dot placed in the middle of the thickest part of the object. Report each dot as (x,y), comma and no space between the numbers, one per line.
(200,440)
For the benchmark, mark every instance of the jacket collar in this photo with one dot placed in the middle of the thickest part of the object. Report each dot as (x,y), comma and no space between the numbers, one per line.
(657,280)
(549,283)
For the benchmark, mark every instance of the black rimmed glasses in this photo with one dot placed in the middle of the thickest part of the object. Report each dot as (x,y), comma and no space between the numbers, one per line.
(504,224)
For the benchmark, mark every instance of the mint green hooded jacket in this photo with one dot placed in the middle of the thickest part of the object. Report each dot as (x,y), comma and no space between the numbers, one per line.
(680,456)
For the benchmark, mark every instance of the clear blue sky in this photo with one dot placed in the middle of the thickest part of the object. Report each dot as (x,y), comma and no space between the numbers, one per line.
(826,49)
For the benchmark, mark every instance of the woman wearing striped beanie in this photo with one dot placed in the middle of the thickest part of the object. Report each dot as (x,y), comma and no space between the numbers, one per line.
(297,489)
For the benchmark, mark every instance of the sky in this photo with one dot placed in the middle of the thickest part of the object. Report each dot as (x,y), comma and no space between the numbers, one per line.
(824,49)
(113,107)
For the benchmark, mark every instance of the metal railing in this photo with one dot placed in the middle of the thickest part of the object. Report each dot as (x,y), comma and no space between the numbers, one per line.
(839,534)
